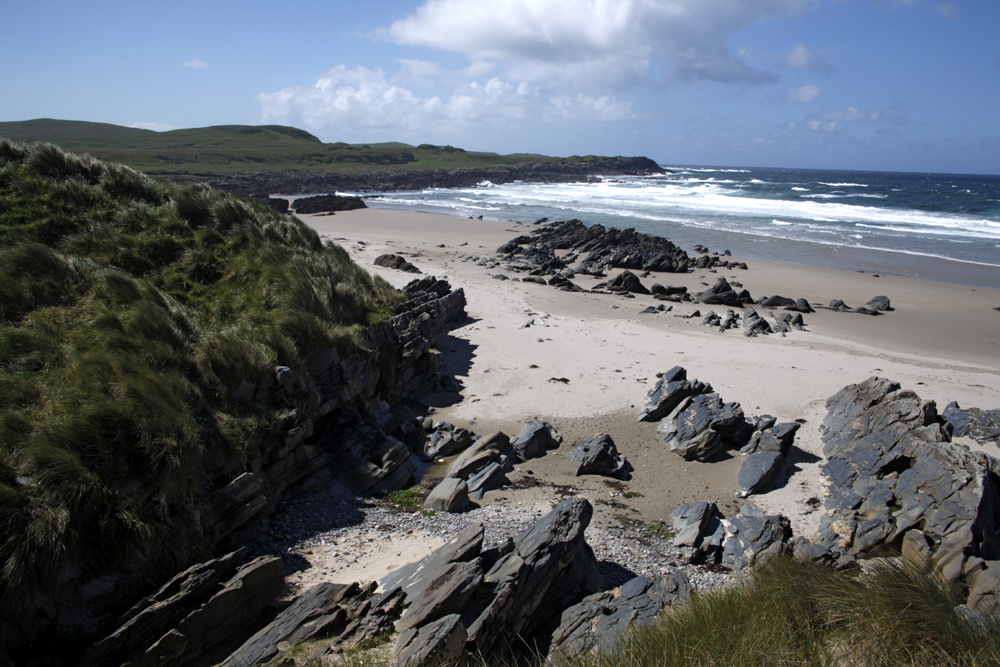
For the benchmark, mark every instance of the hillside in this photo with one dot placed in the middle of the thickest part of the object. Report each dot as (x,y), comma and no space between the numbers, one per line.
(137,321)
(252,159)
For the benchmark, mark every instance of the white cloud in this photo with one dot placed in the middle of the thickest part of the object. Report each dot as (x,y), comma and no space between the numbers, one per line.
(195,63)
(801,58)
(356,100)
(613,39)
(156,127)
(837,120)
(803,93)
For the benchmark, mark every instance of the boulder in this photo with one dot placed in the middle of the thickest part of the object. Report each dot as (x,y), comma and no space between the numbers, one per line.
(773,438)
(396,262)
(597,455)
(626,281)
(439,643)
(670,389)
(481,453)
(776,301)
(450,494)
(446,440)
(880,303)
(414,579)
(601,621)
(720,294)
(699,532)
(534,440)
(448,590)
(980,425)
(801,306)
(702,425)
(752,536)
(757,470)
(327,204)
(493,476)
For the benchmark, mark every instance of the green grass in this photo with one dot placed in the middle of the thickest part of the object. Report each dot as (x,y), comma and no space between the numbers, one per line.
(130,312)
(224,149)
(793,613)
(408,500)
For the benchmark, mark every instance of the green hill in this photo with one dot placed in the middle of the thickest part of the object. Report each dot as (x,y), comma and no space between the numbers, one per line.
(130,312)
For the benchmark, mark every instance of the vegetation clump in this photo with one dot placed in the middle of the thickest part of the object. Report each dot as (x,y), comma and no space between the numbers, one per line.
(137,320)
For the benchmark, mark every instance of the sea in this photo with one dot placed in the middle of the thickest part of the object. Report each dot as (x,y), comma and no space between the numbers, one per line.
(933,226)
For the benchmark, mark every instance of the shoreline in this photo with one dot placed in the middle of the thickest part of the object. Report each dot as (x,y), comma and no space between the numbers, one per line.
(900,263)
(585,361)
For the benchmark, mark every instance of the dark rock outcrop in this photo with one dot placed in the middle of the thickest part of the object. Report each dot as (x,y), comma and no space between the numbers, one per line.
(451,493)
(980,425)
(626,281)
(705,535)
(597,455)
(327,204)
(396,262)
(535,439)
(670,389)
(721,294)
(702,425)
(699,532)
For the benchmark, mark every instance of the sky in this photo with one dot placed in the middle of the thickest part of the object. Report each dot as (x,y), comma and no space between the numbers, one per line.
(897,85)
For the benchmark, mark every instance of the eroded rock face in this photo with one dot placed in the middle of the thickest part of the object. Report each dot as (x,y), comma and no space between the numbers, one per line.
(705,535)
(534,440)
(668,392)
(702,425)
(892,469)
(597,455)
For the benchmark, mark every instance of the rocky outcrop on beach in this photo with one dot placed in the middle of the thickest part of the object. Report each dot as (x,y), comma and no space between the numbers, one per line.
(737,543)
(397,262)
(327,204)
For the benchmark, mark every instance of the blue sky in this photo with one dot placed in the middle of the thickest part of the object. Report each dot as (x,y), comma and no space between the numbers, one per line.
(906,85)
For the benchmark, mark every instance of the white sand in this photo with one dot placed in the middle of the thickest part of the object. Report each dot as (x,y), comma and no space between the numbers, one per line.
(941,341)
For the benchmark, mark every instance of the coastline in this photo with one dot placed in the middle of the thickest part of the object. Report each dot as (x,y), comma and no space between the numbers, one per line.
(584,361)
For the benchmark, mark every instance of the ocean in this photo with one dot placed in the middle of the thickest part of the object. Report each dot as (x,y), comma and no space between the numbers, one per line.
(935,226)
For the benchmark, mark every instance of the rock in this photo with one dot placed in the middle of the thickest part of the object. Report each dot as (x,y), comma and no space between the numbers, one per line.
(774,438)
(668,392)
(625,282)
(597,455)
(414,579)
(754,324)
(534,440)
(980,425)
(447,592)
(891,469)
(450,494)
(670,290)
(720,294)
(837,304)
(327,203)
(757,470)
(491,477)
(601,621)
(550,569)
(439,643)
(480,454)
(776,301)
(446,440)
(801,306)
(702,425)
(879,303)
(984,589)
(699,532)
(395,262)
(752,536)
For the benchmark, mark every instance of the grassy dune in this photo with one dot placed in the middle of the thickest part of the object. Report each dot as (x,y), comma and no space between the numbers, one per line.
(130,311)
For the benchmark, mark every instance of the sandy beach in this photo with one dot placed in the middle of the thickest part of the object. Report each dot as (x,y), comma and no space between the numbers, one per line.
(584,361)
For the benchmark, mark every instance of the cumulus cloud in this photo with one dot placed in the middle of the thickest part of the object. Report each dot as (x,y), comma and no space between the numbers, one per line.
(801,58)
(836,120)
(195,63)
(613,40)
(803,93)
(358,98)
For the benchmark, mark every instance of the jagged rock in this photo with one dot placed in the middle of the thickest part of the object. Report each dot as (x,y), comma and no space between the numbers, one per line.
(670,290)
(551,568)
(752,536)
(446,440)
(668,392)
(879,303)
(204,606)
(450,494)
(980,425)
(439,643)
(702,425)
(493,476)
(396,262)
(534,440)
(626,281)
(757,470)
(837,304)
(481,453)
(891,469)
(720,294)
(773,438)
(699,532)
(414,579)
(336,611)
(600,621)
(984,588)
(597,455)
(448,590)
(754,324)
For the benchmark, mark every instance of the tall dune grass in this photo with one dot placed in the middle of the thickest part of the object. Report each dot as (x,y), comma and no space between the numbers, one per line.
(130,311)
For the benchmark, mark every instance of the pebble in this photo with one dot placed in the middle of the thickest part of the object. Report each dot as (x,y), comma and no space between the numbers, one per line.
(305,522)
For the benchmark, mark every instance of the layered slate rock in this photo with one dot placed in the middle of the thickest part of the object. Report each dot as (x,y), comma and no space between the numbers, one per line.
(535,439)
(449,495)
(699,532)
(202,607)
(446,439)
(892,469)
(600,621)
(700,426)
(441,642)
(626,281)
(765,451)
(598,455)
(668,392)
(980,425)
(489,449)
(720,294)
(705,535)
